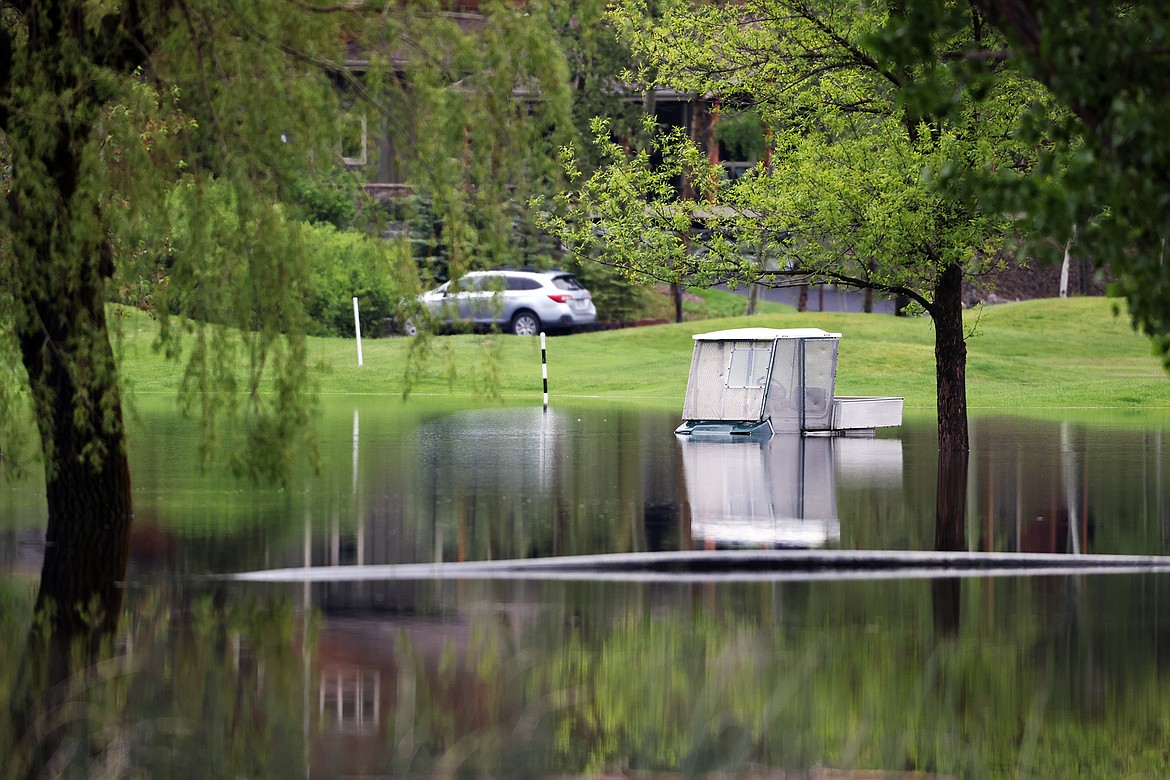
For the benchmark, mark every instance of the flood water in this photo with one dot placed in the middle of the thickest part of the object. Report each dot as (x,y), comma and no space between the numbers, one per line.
(1020,676)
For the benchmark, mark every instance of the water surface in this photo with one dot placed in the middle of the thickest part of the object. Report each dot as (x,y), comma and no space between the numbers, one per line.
(1020,676)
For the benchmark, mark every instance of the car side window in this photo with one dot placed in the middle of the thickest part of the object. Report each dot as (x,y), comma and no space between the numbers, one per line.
(493,283)
(522,283)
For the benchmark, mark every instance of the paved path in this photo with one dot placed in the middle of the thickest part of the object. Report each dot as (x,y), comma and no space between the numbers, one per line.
(823,298)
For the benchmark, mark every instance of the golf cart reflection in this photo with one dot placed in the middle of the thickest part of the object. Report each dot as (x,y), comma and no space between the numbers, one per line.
(782,491)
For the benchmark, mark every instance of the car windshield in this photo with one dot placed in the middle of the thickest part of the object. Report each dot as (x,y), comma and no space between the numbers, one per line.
(567,282)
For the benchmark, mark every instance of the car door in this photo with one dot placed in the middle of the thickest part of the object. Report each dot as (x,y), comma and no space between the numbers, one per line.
(481,300)
(440,302)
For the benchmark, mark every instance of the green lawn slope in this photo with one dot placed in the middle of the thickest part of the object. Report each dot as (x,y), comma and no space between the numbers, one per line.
(1033,354)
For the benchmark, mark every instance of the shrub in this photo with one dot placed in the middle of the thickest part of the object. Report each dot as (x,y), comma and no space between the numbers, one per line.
(345,264)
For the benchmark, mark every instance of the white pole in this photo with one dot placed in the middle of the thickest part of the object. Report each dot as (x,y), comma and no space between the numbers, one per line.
(357,329)
(544,369)
(1064,266)
(1064,271)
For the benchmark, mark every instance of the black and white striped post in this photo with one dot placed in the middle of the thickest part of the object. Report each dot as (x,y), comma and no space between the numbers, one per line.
(544,368)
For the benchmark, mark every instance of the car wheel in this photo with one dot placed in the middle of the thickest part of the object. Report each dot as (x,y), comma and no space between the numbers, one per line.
(525,323)
(410,328)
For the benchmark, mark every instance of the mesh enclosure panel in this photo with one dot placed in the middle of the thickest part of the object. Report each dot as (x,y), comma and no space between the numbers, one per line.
(820,370)
(728,380)
(783,394)
(705,383)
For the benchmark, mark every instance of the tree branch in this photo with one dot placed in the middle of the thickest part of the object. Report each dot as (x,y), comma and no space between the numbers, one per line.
(859,56)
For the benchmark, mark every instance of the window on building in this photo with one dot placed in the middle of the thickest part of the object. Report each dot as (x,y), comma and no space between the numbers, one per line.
(354,139)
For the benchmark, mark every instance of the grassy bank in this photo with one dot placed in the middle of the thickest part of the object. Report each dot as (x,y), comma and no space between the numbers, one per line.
(1035,354)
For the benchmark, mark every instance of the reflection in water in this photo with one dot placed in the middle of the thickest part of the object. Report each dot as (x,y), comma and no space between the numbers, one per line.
(780,492)
(1045,677)
(1065,488)
(404,484)
(950,511)
(195,686)
(1038,679)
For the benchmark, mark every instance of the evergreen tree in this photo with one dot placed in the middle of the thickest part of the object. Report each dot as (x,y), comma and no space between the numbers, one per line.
(466,111)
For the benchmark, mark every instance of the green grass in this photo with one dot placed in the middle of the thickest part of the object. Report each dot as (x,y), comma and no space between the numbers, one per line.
(700,304)
(1030,355)
(719,303)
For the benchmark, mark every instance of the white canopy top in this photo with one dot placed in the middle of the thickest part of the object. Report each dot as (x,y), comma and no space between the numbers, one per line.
(765,334)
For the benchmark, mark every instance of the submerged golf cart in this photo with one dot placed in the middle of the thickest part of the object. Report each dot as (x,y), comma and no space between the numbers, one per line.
(754,382)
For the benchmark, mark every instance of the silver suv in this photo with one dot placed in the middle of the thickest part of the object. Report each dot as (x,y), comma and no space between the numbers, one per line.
(519,302)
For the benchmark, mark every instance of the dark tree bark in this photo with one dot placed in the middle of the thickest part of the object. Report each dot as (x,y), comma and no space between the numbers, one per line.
(867,299)
(89,517)
(950,358)
(88,500)
(61,265)
(901,302)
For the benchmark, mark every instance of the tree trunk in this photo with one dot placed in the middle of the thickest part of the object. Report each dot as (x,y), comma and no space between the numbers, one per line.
(676,294)
(65,348)
(89,516)
(87,541)
(802,298)
(950,358)
(66,351)
(753,298)
(61,263)
(867,299)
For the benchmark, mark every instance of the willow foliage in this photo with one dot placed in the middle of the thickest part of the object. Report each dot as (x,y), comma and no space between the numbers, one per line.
(196,124)
(154,106)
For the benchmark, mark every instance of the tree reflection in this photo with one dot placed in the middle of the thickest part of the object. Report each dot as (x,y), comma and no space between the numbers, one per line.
(950,514)
(190,685)
(64,646)
(576,678)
